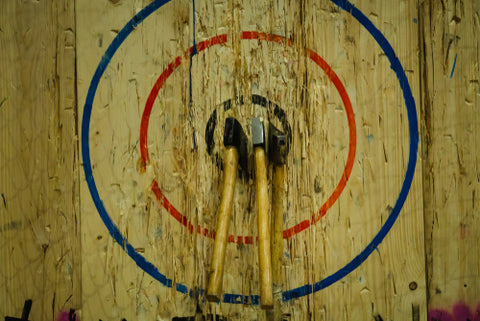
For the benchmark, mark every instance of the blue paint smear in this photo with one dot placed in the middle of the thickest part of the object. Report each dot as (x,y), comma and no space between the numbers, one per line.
(237,298)
(181,288)
(415,20)
(453,67)
(370,138)
(241,299)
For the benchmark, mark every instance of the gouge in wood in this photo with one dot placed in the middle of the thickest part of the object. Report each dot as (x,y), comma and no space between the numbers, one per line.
(263,215)
(233,139)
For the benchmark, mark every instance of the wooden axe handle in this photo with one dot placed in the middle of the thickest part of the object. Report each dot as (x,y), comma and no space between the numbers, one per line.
(230,165)
(264,254)
(278,194)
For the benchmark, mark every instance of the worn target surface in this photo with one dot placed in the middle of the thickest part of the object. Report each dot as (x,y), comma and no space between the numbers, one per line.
(152,131)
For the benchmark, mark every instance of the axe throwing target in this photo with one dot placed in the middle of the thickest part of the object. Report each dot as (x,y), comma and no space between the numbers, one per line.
(289,294)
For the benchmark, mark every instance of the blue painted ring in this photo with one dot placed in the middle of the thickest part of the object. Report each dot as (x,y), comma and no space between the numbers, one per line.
(238,298)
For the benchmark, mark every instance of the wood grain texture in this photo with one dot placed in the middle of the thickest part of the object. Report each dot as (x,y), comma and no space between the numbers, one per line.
(55,249)
(451,114)
(39,216)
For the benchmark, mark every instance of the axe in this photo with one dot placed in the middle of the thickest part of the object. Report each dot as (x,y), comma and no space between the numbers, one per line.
(263,215)
(234,140)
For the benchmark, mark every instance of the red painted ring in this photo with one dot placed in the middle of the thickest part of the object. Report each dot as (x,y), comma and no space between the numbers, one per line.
(251,35)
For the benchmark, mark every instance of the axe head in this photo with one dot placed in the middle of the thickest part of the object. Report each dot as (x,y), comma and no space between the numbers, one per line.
(258,133)
(235,136)
(277,145)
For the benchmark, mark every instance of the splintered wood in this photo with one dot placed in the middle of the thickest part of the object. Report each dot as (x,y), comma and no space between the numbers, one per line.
(345,167)
(112,116)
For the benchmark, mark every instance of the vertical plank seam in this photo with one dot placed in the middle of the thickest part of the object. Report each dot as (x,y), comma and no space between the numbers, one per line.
(425,139)
(76,195)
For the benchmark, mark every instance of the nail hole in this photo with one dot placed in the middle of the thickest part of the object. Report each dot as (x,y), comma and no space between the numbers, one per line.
(413,286)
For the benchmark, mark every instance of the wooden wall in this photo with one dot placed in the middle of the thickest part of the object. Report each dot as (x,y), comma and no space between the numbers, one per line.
(76,77)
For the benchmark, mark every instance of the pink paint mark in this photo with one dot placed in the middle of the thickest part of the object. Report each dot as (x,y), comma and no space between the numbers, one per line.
(65,316)
(439,315)
(460,312)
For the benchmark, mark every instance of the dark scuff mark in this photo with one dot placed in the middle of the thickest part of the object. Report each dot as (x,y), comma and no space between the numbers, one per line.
(71,315)
(445,64)
(26,309)
(378,317)
(53,302)
(4,201)
(68,299)
(317,185)
(13,225)
(100,40)
(25,313)
(456,19)
(415,312)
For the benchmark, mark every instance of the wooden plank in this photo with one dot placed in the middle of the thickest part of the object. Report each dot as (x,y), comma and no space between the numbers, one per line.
(450,100)
(379,288)
(113,286)
(388,285)
(39,223)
